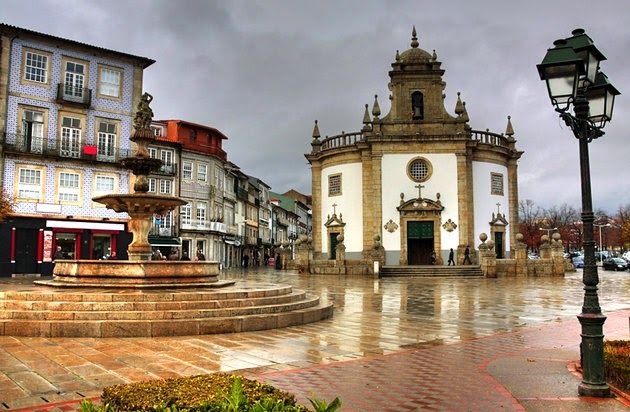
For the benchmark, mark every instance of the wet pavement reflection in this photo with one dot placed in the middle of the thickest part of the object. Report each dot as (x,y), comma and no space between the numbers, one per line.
(371,317)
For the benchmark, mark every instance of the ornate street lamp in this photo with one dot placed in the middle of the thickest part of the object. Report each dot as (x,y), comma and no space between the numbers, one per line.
(571,70)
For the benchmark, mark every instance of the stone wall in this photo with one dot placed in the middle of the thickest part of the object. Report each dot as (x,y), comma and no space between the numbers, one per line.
(551,263)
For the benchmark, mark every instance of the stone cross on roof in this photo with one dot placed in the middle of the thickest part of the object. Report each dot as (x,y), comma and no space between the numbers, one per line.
(498,208)
(420,187)
(334,205)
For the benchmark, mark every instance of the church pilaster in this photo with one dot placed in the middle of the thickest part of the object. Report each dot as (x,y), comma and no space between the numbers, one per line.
(316,182)
(513,202)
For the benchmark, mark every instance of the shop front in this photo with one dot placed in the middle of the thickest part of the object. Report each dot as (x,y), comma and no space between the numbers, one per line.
(34,243)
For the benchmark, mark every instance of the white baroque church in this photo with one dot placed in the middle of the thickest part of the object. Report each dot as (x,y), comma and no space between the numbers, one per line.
(417,180)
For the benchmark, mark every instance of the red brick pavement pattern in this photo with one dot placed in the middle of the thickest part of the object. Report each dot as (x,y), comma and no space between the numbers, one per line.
(448,377)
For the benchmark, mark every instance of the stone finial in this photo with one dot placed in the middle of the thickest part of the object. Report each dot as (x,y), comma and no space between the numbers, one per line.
(483,237)
(556,236)
(316,134)
(397,56)
(519,237)
(366,116)
(376,109)
(509,130)
(340,238)
(414,38)
(465,117)
(544,239)
(434,56)
(376,237)
(459,107)
(402,198)
(490,244)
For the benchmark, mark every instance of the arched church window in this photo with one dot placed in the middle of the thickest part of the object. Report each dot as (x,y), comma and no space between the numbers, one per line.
(417,105)
(419,169)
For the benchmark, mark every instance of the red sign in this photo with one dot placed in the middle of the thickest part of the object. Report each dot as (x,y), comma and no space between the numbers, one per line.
(48,249)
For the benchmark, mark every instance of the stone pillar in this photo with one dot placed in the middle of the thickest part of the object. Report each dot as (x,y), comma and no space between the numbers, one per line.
(340,251)
(557,255)
(463,205)
(487,257)
(545,248)
(520,254)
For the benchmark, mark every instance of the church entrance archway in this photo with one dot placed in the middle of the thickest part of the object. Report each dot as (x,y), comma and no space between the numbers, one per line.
(420,242)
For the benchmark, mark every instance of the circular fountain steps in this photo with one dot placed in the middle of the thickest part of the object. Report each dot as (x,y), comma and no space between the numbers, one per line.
(129,313)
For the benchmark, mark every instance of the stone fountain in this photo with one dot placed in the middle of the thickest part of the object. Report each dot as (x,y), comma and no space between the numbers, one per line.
(138,271)
(142,297)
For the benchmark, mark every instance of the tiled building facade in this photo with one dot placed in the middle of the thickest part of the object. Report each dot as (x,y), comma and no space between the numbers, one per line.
(66,117)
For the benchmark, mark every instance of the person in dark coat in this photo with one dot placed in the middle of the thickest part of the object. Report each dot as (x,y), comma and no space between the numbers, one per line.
(433,257)
(467,255)
(451,257)
(200,256)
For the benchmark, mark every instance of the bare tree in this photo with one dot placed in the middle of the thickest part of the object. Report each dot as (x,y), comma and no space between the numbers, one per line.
(6,206)
(530,216)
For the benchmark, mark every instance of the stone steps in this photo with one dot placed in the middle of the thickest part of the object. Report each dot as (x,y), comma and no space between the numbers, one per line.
(128,313)
(431,271)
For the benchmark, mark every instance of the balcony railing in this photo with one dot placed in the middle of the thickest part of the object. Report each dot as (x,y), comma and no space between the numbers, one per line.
(241,193)
(205,225)
(167,169)
(490,138)
(156,230)
(61,148)
(282,221)
(67,93)
(342,140)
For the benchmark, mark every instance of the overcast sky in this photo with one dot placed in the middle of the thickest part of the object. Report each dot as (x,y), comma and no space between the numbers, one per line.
(262,71)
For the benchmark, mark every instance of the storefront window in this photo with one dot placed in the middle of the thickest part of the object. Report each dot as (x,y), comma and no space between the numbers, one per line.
(67,242)
(101,246)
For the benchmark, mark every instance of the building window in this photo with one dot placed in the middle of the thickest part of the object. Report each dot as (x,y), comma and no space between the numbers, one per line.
(166,187)
(36,67)
(70,137)
(202,173)
(201,212)
(153,153)
(74,80)
(419,169)
(69,188)
(157,131)
(167,157)
(32,131)
(29,184)
(496,184)
(334,184)
(185,212)
(151,184)
(167,221)
(106,141)
(187,169)
(109,82)
(105,184)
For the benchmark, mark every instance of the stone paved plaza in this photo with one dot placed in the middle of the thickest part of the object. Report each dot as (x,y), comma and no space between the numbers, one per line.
(426,343)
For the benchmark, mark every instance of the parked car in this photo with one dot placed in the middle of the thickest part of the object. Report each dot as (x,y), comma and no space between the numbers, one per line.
(578,262)
(615,264)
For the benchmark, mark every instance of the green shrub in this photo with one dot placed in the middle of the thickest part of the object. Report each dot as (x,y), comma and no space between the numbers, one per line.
(205,393)
(617,361)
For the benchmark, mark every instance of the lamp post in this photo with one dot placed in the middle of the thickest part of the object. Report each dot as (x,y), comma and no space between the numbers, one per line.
(601,257)
(548,230)
(571,71)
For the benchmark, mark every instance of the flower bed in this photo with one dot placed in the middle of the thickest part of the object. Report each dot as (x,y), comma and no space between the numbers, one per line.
(617,361)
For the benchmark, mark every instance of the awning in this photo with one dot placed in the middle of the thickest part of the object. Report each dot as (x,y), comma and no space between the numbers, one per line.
(73,224)
(164,241)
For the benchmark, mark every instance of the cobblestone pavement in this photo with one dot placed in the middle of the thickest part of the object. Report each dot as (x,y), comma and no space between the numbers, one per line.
(392,344)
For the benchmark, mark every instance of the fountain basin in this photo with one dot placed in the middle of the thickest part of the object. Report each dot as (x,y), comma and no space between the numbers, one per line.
(134,274)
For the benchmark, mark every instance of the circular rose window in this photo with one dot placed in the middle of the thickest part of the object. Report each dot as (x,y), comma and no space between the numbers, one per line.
(419,169)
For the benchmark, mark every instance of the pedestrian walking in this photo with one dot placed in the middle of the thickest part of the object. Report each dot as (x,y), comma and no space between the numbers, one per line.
(467,255)
(433,258)
(451,257)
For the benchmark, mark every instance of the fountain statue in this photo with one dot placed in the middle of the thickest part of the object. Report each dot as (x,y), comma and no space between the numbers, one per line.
(138,271)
